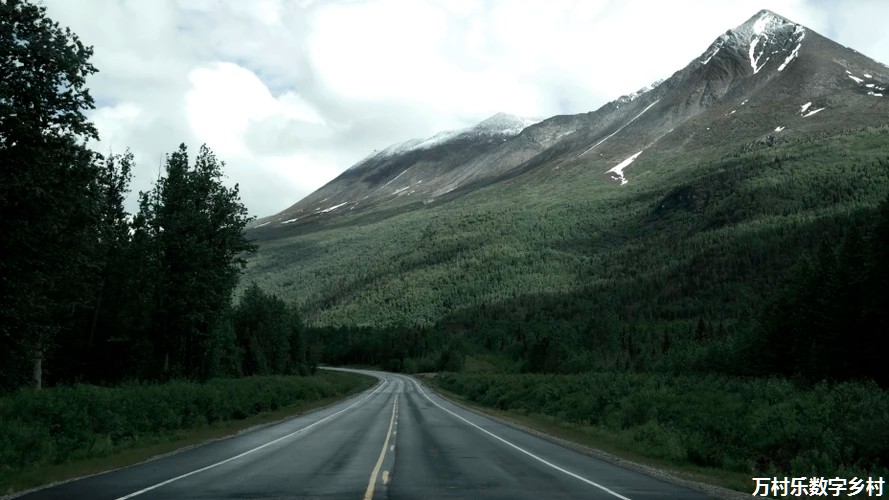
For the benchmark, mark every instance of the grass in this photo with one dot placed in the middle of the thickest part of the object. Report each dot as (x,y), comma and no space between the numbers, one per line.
(161,443)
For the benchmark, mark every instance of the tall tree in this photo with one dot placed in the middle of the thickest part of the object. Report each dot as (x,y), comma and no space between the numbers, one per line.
(196,225)
(47,185)
(112,269)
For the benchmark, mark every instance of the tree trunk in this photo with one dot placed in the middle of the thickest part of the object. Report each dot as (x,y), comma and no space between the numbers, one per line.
(38,370)
(95,322)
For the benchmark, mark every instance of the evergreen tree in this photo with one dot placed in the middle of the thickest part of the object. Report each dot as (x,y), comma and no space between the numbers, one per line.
(112,269)
(193,227)
(48,186)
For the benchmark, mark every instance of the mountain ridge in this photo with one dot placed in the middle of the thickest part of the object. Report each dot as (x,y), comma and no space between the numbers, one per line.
(719,167)
(766,49)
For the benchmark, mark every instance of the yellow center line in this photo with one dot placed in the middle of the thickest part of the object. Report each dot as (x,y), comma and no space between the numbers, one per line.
(369,494)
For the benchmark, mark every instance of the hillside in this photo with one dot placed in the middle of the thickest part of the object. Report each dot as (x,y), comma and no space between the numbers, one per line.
(676,202)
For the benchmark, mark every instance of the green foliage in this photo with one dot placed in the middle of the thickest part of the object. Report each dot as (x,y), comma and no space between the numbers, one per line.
(565,272)
(827,319)
(48,187)
(86,294)
(269,334)
(760,426)
(408,350)
(194,226)
(63,424)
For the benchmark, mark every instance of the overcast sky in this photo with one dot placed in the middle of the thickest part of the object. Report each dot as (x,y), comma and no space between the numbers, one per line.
(292,92)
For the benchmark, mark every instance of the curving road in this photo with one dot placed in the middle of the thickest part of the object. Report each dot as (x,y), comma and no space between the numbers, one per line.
(398,440)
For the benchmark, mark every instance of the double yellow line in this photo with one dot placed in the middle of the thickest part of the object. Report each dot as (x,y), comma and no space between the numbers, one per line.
(369,494)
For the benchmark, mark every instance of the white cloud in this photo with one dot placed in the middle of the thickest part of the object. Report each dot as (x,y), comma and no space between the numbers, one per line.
(290,93)
(226,99)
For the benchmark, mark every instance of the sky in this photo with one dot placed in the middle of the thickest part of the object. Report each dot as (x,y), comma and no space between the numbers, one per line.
(290,93)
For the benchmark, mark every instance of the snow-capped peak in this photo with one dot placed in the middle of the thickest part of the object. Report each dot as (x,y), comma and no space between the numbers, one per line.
(504,123)
(763,23)
(501,124)
(763,37)
(635,95)
(765,20)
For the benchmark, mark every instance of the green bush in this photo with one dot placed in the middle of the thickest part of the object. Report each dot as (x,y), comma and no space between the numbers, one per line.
(761,426)
(61,424)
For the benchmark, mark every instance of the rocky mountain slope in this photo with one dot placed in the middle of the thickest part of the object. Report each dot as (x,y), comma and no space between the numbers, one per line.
(703,180)
(767,77)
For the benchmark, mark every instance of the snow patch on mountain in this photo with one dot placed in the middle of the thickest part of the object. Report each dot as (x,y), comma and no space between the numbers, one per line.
(873,86)
(763,36)
(436,139)
(394,178)
(619,129)
(754,59)
(778,129)
(331,209)
(762,28)
(501,125)
(635,95)
(759,27)
(710,56)
(804,107)
(799,30)
(618,170)
(810,113)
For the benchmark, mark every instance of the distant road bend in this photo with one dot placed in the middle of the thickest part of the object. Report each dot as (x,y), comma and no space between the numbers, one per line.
(396,440)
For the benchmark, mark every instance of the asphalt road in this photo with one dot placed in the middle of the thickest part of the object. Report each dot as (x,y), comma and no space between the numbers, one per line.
(397,440)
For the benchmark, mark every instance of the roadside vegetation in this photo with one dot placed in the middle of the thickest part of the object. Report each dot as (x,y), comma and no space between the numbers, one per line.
(47,434)
(713,427)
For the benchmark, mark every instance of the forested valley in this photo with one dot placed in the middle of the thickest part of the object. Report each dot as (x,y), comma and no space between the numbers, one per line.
(728,320)
(729,314)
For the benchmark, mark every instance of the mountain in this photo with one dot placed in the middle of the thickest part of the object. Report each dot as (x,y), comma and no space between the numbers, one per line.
(767,76)
(676,201)
(426,168)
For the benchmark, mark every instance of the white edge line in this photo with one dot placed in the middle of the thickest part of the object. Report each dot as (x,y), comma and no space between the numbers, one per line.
(526,452)
(217,464)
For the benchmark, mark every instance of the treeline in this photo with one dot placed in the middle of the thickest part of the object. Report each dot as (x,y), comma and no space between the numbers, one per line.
(410,350)
(90,293)
(820,318)
(830,316)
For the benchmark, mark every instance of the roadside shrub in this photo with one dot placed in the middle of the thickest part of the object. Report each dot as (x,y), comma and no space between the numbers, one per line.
(756,425)
(60,424)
